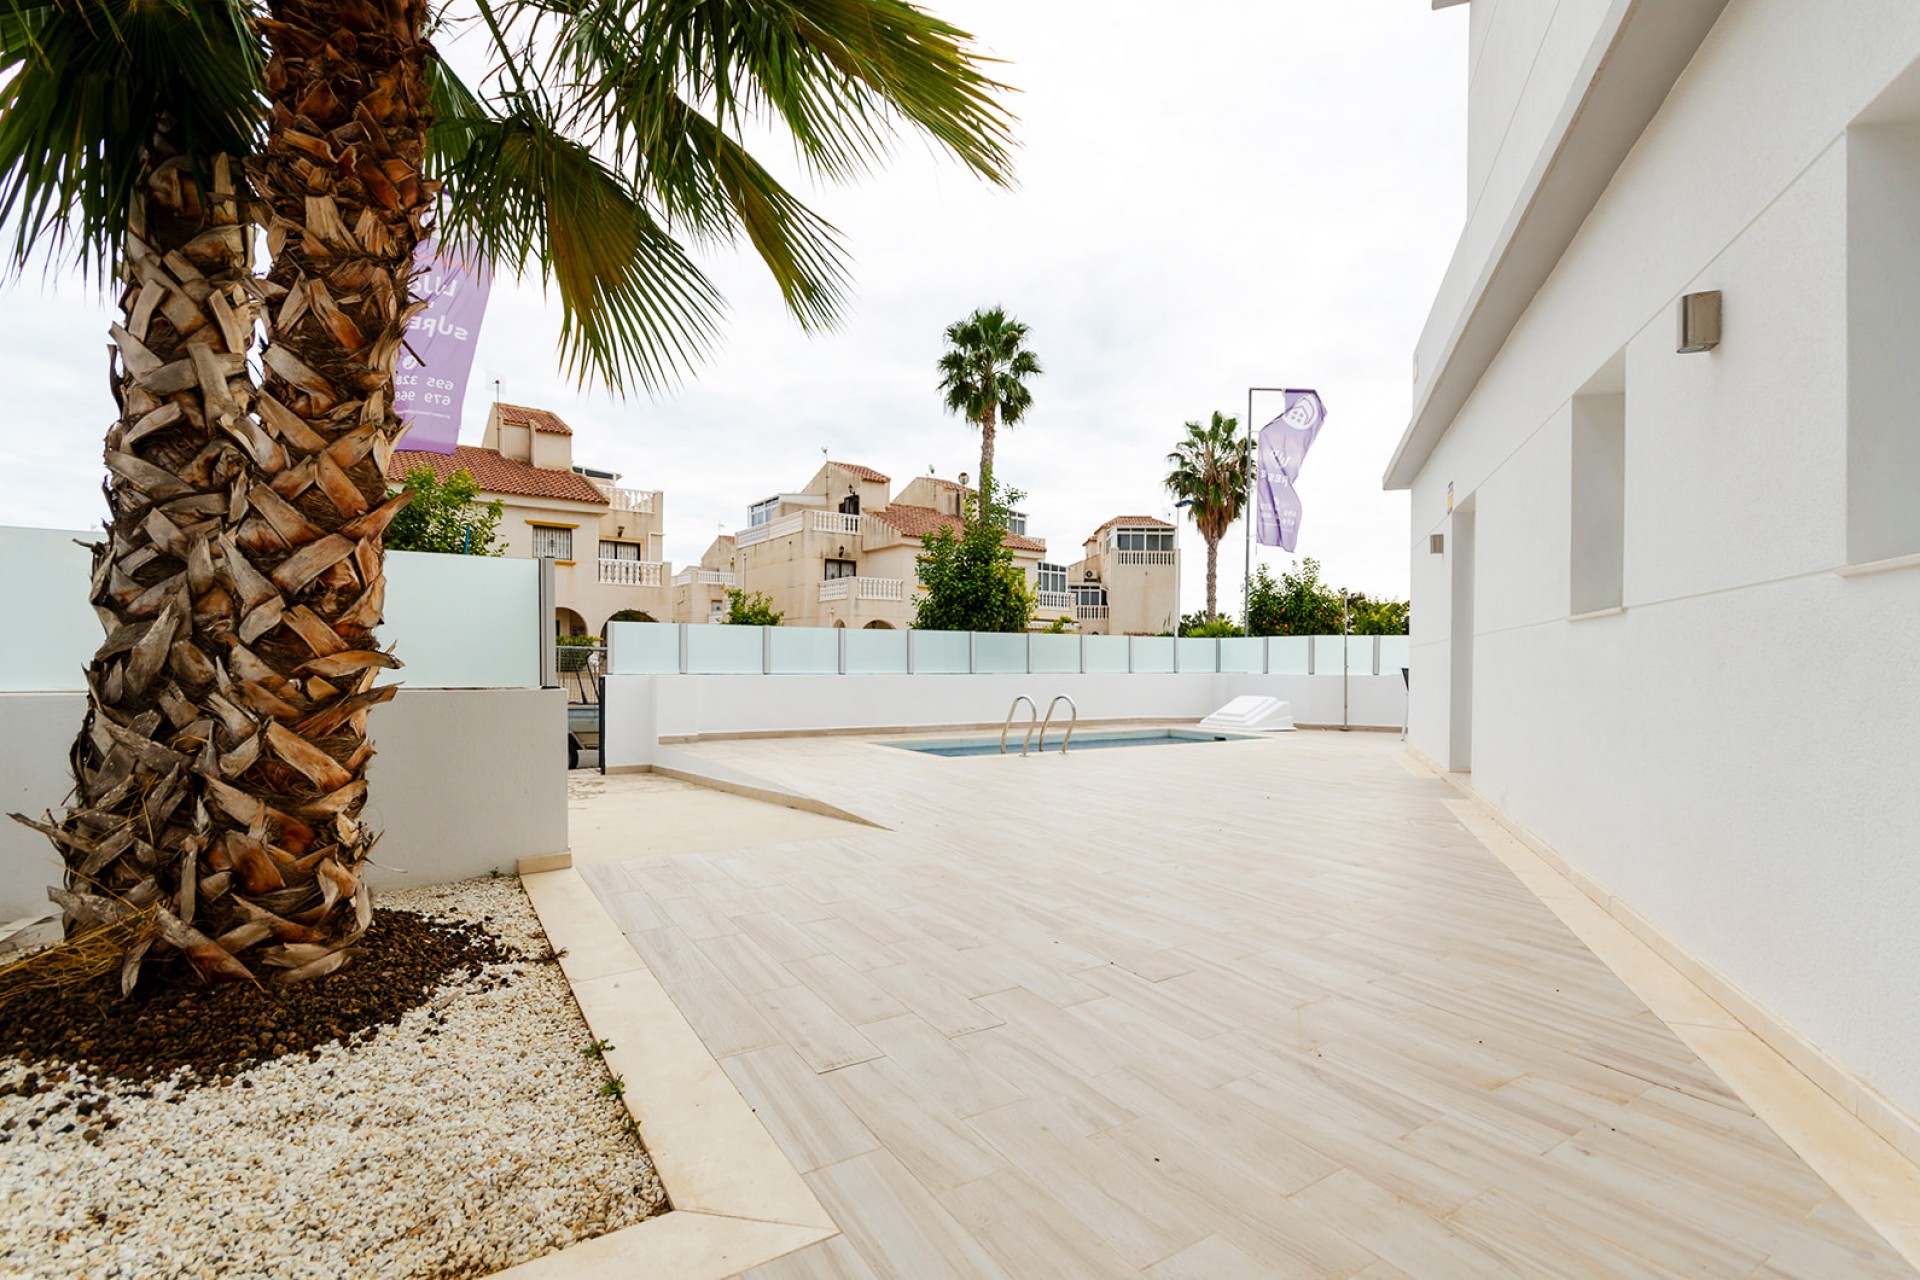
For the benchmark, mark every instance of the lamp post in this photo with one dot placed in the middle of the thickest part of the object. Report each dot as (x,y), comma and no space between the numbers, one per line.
(1184,502)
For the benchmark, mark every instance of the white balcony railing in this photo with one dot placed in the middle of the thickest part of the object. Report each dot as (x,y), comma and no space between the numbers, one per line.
(1090,612)
(863,589)
(643,501)
(772,529)
(632,573)
(703,577)
(1054,600)
(1146,557)
(833,522)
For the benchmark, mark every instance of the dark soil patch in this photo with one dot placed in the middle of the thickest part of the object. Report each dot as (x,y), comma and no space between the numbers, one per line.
(211,1033)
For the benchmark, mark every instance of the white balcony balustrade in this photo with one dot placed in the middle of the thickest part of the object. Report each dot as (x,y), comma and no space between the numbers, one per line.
(772,529)
(834,522)
(632,573)
(643,501)
(704,577)
(863,589)
(1054,600)
(1146,557)
(1090,613)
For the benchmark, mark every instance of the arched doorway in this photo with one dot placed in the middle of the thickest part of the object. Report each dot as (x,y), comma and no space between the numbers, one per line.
(879,625)
(568,623)
(631,615)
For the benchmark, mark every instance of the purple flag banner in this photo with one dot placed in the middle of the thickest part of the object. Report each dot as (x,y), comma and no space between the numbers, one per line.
(431,384)
(1282,452)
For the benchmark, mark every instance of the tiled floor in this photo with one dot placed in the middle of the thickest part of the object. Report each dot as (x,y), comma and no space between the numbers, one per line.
(1248,1009)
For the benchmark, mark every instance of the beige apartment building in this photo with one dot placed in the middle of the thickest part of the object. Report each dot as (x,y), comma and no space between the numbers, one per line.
(607,541)
(700,591)
(841,551)
(1127,581)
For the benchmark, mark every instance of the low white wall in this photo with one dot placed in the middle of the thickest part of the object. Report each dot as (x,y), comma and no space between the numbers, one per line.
(465,781)
(642,710)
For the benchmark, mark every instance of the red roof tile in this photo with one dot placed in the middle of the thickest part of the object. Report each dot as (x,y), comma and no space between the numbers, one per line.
(495,474)
(1145,522)
(865,473)
(916,522)
(538,419)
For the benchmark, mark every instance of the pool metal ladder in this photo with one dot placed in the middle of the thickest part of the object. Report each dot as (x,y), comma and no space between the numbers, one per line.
(1033,715)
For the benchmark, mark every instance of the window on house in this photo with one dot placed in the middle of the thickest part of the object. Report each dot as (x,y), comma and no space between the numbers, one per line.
(1143,539)
(1595,575)
(1053,577)
(1088,594)
(1882,328)
(850,505)
(619,550)
(550,543)
(840,569)
(1017,523)
(762,512)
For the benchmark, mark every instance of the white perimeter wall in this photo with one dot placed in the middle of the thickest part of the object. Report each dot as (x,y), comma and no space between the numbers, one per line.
(1733,754)
(463,783)
(641,710)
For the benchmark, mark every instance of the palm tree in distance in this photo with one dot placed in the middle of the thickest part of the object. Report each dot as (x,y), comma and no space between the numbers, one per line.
(1212,469)
(983,376)
(221,768)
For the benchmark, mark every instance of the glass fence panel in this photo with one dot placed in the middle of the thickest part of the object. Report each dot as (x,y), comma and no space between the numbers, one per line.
(877,653)
(1287,655)
(1326,655)
(1242,655)
(1000,653)
(942,652)
(1152,653)
(810,651)
(1197,653)
(462,622)
(1360,656)
(1106,654)
(1056,654)
(1395,652)
(724,651)
(48,632)
(643,648)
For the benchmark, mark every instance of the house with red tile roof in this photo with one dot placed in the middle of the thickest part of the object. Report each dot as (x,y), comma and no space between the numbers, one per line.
(607,541)
(843,551)
(1127,580)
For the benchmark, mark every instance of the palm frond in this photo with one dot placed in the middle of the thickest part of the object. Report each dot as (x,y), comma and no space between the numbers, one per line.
(87,83)
(842,75)
(634,307)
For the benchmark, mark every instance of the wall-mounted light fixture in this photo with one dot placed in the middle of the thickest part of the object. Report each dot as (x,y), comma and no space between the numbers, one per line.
(1436,544)
(1699,322)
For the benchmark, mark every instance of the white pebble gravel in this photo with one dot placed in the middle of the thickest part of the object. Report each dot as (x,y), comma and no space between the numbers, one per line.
(414,1154)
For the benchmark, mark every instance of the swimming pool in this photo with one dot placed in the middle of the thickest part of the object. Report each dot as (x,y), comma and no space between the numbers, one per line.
(1084,740)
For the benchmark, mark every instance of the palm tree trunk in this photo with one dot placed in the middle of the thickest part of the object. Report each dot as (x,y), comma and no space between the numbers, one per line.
(987,421)
(1213,576)
(161,836)
(340,179)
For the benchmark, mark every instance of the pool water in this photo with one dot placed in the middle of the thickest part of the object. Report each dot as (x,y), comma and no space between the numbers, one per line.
(1082,741)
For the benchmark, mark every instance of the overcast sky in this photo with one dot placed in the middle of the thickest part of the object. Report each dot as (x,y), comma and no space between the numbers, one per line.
(1223,194)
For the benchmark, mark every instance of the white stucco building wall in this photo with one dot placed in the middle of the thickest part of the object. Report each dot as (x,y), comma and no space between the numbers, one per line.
(1729,752)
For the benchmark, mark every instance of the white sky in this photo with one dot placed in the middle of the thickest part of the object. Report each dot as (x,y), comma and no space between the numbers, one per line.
(1215,195)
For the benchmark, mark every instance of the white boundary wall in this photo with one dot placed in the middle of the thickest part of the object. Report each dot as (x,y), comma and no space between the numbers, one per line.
(470,773)
(644,711)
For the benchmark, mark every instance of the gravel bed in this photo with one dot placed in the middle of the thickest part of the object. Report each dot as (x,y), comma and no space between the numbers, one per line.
(475,1133)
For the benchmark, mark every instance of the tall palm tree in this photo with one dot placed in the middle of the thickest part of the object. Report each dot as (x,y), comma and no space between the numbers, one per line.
(983,376)
(1212,468)
(221,770)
